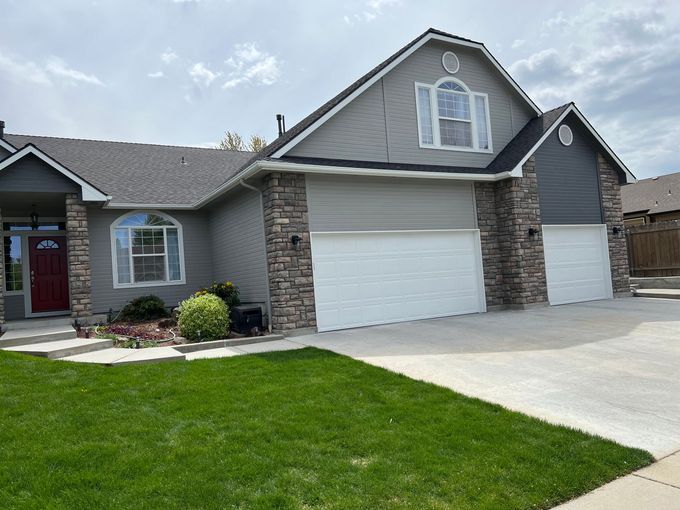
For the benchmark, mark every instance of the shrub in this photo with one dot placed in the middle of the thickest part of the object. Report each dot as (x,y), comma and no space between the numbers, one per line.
(226,291)
(204,317)
(144,308)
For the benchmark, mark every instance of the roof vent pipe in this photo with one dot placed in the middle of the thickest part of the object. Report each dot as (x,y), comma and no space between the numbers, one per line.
(2,129)
(281,123)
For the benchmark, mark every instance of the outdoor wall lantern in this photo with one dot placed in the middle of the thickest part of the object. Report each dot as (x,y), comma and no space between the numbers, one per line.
(34,219)
(296,240)
(616,230)
(533,232)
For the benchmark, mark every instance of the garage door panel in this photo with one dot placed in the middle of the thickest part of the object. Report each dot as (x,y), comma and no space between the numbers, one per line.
(576,263)
(376,278)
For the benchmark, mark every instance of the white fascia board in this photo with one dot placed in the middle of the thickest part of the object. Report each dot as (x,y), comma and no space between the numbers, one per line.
(304,134)
(7,146)
(89,192)
(281,166)
(146,207)
(517,171)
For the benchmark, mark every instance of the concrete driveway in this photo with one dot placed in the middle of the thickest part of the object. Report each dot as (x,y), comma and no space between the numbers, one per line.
(608,367)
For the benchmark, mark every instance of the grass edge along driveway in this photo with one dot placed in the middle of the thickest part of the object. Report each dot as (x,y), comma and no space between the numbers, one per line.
(296,429)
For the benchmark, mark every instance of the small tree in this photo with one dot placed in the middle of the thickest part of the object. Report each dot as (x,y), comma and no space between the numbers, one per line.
(233,141)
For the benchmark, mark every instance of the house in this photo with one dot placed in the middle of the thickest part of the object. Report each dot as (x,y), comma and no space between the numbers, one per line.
(651,200)
(432,186)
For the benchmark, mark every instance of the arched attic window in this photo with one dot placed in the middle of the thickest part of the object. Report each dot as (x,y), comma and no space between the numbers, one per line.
(451,116)
(147,250)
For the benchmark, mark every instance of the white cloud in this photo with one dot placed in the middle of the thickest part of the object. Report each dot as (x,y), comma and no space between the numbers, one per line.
(372,9)
(168,56)
(250,65)
(518,43)
(157,74)
(621,66)
(58,67)
(202,75)
(23,71)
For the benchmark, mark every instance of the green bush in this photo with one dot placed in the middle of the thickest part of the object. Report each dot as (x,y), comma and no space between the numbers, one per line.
(203,318)
(226,291)
(143,309)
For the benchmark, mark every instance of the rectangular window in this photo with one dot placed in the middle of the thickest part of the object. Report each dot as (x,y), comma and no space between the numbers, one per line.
(14,281)
(425,116)
(480,117)
(147,255)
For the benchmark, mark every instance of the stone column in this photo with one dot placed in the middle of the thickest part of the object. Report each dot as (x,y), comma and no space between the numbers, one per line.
(514,264)
(492,262)
(612,212)
(291,281)
(79,272)
(2,276)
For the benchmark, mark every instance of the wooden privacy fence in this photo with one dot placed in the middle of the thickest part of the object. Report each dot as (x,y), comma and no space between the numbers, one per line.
(654,249)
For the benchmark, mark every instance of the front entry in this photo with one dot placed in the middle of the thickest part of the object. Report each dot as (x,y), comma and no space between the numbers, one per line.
(49,274)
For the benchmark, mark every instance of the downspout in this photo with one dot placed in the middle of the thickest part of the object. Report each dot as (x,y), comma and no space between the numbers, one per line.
(266,263)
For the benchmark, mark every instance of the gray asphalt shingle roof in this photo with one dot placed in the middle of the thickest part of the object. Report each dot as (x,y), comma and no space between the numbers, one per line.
(139,173)
(644,195)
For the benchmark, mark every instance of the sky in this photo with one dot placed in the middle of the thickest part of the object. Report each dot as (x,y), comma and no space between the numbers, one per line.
(182,72)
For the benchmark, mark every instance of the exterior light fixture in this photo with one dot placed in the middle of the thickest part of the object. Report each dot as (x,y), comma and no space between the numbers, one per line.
(533,232)
(616,230)
(34,219)
(296,240)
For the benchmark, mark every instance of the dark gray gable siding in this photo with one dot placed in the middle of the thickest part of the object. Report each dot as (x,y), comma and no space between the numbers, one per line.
(568,185)
(4,153)
(30,173)
(236,226)
(344,203)
(371,129)
(197,260)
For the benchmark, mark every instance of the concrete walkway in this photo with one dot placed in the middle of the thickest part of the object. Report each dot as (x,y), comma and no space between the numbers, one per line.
(607,367)
(656,487)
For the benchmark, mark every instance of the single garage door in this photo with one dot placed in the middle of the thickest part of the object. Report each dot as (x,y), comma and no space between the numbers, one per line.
(365,278)
(576,263)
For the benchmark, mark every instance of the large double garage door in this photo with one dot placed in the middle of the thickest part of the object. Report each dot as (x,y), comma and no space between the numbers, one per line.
(363,278)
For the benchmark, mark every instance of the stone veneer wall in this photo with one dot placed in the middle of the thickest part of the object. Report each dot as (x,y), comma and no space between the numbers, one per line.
(2,275)
(612,210)
(291,282)
(79,272)
(514,264)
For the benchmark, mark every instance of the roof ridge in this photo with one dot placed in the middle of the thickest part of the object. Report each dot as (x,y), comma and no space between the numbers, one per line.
(124,142)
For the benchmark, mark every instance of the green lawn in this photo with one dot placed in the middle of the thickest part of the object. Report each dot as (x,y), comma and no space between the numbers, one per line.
(296,429)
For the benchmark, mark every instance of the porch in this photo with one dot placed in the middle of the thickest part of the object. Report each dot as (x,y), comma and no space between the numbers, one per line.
(44,255)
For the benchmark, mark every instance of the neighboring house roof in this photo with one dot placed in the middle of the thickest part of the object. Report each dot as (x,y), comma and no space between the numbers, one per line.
(652,196)
(321,114)
(141,174)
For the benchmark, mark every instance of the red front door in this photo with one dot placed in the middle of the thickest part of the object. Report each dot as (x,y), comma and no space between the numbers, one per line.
(49,274)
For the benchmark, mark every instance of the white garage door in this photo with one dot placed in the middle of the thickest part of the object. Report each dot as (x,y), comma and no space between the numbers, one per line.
(576,263)
(364,278)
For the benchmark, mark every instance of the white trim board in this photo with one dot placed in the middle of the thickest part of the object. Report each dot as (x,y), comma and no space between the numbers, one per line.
(7,146)
(415,46)
(517,171)
(89,192)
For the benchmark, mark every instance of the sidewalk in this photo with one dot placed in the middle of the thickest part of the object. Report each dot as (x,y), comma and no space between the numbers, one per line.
(655,487)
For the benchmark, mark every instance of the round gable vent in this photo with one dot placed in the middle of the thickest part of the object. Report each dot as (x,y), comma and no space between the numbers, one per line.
(450,62)
(565,135)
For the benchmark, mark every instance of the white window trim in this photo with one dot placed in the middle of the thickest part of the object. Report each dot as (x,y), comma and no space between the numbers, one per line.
(434,116)
(114,259)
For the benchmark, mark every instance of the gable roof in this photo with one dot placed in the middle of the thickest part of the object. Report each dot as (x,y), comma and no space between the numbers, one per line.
(537,130)
(141,174)
(652,196)
(307,125)
(89,192)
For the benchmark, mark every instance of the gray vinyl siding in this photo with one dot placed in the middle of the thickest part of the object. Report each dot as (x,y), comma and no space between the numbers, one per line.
(568,184)
(32,174)
(236,229)
(14,307)
(357,132)
(4,153)
(345,203)
(372,129)
(197,260)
